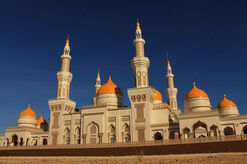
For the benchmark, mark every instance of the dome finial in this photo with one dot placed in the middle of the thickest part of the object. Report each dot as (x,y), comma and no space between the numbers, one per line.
(194,84)
(168,61)
(137,23)
(67,40)
(29,106)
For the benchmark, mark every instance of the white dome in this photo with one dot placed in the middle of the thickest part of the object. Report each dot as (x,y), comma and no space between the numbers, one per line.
(200,104)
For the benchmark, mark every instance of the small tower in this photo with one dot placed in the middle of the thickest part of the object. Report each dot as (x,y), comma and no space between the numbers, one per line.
(64,77)
(62,104)
(171,92)
(97,86)
(140,63)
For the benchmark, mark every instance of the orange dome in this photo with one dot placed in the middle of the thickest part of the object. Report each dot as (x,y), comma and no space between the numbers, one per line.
(157,95)
(167,106)
(41,120)
(195,92)
(109,87)
(226,103)
(28,112)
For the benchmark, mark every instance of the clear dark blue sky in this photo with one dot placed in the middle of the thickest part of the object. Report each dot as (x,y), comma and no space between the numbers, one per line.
(206,40)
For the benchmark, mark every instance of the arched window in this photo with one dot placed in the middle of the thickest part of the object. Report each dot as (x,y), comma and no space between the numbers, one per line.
(67,136)
(126,133)
(245,129)
(93,133)
(15,140)
(77,135)
(158,136)
(228,131)
(112,133)
(93,129)
(44,141)
(214,128)
(21,141)
(27,142)
(186,132)
(144,78)
(138,78)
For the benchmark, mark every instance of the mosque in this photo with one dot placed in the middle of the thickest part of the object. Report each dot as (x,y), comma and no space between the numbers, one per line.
(108,120)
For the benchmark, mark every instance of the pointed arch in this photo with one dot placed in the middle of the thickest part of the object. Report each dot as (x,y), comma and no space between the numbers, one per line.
(158,136)
(245,129)
(67,136)
(186,132)
(112,133)
(15,140)
(93,133)
(77,135)
(228,131)
(214,130)
(126,133)
(200,129)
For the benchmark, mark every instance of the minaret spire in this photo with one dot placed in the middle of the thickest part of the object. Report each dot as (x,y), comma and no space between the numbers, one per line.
(140,63)
(171,92)
(64,77)
(97,86)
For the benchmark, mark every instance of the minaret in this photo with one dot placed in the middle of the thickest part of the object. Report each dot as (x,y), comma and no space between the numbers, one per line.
(64,77)
(140,63)
(171,92)
(97,86)
(62,104)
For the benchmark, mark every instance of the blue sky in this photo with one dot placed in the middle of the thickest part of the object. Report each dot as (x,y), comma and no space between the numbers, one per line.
(206,42)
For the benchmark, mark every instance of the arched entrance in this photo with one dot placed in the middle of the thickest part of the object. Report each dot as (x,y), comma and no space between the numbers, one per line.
(21,141)
(15,140)
(186,132)
(228,131)
(200,129)
(213,130)
(245,129)
(158,136)
(44,141)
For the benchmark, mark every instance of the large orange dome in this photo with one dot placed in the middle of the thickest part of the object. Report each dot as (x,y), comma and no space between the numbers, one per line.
(226,103)
(195,92)
(41,120)
(109,87)
(157,95)
(28,112)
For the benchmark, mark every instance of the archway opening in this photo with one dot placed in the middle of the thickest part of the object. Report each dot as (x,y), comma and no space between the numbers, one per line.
(44,141)
(158,136)
(21,141)
(200,129)
(15,140)
(245,129)
(214,130)
(228,131)
(186,132)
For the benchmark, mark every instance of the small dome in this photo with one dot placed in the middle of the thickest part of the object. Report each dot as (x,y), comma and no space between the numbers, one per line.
(157,95)
(109,87)
(28,112)
(195,92)
(167,106)
(41,120)
(226,103)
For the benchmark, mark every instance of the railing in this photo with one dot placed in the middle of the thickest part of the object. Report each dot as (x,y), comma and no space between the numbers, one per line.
(135,144)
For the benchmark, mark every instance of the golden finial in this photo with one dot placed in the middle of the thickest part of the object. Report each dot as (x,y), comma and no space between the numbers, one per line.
(194,84)
(168,61)
(67,40)
(29,106)
(224,96)
(137,23)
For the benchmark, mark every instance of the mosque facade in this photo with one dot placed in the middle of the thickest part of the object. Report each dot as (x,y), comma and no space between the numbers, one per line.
(108,120)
